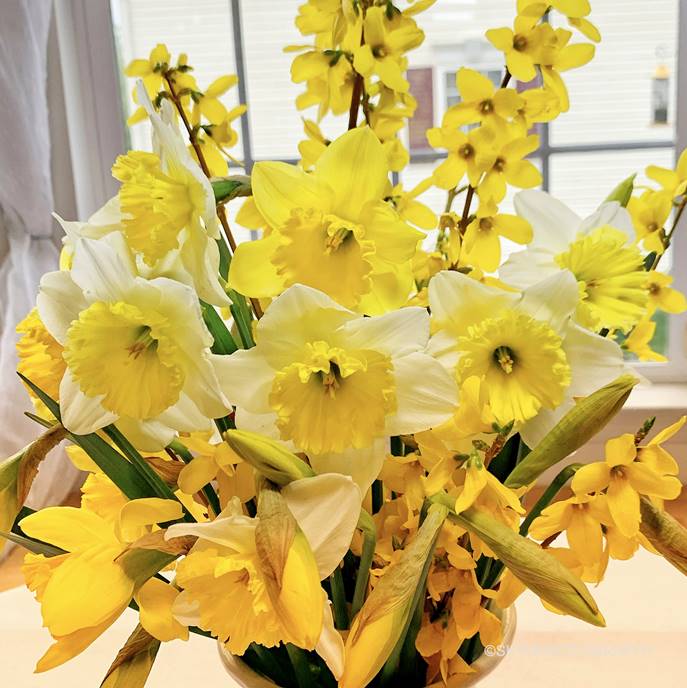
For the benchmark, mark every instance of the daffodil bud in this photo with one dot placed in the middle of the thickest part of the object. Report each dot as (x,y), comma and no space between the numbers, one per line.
(574,430)
(384,617)
(134,661)
(665,533)
(539,570)
(290,570)
(268,457)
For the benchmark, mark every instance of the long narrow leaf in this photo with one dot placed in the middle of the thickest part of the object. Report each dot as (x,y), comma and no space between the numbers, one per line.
(109,460)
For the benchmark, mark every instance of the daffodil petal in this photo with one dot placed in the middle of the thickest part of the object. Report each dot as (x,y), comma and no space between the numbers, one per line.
(327,508)
(355,167)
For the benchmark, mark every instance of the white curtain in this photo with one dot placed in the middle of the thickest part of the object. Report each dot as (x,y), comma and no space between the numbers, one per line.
(27,247)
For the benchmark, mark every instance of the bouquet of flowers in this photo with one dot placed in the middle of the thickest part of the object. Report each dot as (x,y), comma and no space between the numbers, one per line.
(314,447)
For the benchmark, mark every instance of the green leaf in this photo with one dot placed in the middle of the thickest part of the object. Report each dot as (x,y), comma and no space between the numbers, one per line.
(108,459)
(224,343)
(504,462)
(34,546)
(227,188)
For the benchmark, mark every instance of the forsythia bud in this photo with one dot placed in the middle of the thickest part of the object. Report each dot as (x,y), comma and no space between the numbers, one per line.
(536,568)
(290,569)
(384,617)
(268,457)
(667,535)
(575,429)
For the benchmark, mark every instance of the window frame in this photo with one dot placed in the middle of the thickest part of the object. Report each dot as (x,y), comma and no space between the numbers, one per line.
(97,135)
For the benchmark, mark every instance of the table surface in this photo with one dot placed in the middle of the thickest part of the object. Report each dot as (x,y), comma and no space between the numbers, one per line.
(644,601)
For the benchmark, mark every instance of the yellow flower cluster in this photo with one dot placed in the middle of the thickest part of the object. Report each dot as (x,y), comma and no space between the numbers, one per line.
(202,110)
(357,60)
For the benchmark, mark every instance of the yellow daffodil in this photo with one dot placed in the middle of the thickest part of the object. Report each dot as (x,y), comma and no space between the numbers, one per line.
(672,181)
(470,153)
(483,235)
(618,297)
(83,591)
(662,296)
(40,358)
(508,166)
(339,381)
(160,376)
(558,56)
(599,251)
(385,44)
(228,578)
(581,517)
(650,212)
(625,480)
(638,342)
(167,209)
(530,358)
(481,102)
(521,45)
(330,230)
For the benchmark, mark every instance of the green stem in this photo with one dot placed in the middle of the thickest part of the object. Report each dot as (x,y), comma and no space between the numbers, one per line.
(224,343)
(143,468)
(366,524)
(301,666)
(548,495)
(336,581)
(241,314)
(669,236)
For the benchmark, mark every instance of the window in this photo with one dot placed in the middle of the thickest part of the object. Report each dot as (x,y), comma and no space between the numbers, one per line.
(421,86)
(625,110)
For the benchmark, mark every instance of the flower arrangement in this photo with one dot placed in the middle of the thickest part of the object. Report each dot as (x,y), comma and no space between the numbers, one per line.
(315,447)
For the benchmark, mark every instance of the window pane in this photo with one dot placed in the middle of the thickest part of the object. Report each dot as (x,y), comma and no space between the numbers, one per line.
(268,27)
(201,29)
(454,37)
(583,180)
(627,93)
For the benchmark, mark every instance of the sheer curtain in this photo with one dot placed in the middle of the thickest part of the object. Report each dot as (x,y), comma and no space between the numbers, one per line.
(27,248)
